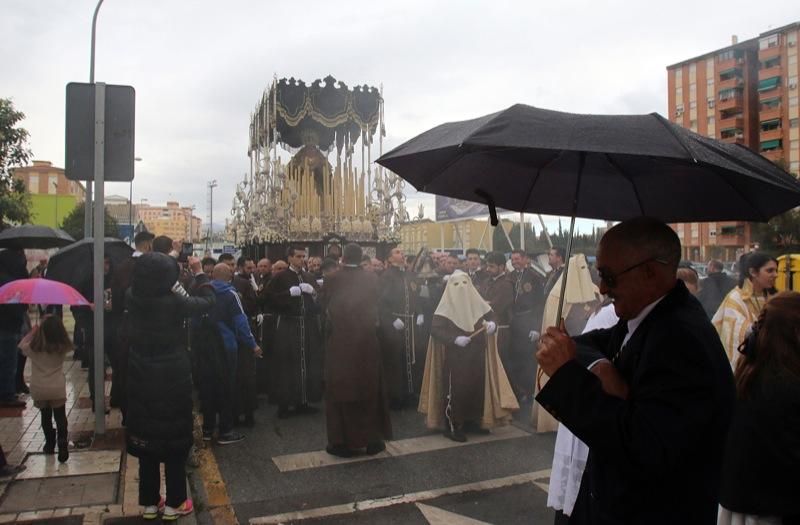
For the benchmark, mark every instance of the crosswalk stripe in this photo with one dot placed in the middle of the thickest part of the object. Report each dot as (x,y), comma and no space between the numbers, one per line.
(437,516)
(402,447)
(414,497)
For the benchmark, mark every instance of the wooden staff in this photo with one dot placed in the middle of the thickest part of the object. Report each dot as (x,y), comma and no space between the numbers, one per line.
(476,332)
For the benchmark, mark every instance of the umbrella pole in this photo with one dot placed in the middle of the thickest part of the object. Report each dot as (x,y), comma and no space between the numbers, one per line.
(581,162)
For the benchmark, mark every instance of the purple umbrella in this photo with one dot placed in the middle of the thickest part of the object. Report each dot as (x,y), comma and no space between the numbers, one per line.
(40,291)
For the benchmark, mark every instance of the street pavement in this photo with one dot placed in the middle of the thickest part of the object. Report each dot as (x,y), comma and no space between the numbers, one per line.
(281,474)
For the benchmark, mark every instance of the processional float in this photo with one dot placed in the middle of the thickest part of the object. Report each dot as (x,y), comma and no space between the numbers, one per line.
(320,195)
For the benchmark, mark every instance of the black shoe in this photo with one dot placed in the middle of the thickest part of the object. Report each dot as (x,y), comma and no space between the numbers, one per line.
(229,438)
(208,435)
(283,413)
(376,448)
(339,451)
(307,409)
(49,447)
(63,451)
(475,428)
(456,435)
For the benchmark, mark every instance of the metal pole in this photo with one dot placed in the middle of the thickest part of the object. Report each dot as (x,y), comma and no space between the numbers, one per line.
(87,215)
(99,236)
(130,213)
(521,231)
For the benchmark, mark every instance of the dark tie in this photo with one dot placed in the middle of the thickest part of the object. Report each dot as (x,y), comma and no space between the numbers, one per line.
(620,331)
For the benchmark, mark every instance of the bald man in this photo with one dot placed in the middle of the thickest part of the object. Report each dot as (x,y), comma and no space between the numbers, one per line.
(218,385)
(655,444)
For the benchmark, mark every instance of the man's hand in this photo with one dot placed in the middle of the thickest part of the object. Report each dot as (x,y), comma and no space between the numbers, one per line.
(462,340)
(420,320)
(555,349)
(398,324)
(260,319)
(258,352)
(319,282)
(177,245)
(306,288)
(533,336)
(295,291)
(491,327)
(195,265)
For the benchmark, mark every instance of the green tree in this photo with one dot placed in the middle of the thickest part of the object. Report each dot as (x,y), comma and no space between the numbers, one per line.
(15,202)
(73,223)
(780,234)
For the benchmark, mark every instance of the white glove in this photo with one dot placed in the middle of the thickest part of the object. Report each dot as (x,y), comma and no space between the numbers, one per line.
(533,336)
(306,288)
(420,320)
(462,340)
(253,283)
(445,277)
(398,324)
(260,319)
(294,291)
(319,282)
(491,327)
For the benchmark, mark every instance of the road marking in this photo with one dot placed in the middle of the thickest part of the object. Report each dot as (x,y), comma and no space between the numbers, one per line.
(414,497)
(402,447)
(437,516)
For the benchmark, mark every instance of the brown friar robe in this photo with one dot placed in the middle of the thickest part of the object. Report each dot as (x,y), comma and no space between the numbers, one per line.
(473,376)
(355,399)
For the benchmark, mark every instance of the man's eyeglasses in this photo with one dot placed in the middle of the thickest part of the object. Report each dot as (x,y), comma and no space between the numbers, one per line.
(610,280)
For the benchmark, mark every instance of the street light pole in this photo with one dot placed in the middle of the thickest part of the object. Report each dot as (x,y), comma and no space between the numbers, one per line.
(130,204)
(87,215)
(211,185)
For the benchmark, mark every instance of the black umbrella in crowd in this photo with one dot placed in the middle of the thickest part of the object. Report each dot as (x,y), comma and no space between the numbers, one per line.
(32,236)
(73,264)
(610,167)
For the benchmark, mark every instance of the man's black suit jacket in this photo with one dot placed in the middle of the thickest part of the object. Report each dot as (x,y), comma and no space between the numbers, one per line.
(655,457)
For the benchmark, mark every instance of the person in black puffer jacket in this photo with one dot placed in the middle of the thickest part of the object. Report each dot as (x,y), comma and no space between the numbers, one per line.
(159,417)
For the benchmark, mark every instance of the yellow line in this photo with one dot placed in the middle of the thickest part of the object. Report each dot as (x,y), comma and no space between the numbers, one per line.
(218,501)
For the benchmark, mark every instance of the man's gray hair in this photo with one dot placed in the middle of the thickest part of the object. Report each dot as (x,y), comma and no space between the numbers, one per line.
(650,237)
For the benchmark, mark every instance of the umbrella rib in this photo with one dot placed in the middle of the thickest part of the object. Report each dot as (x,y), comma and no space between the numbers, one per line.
(741,194)
(547,164)
(671,131)
(622,172)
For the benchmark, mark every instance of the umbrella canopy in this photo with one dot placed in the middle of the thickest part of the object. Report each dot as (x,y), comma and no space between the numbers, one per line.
(32,236)
(73,264)
(615,166)
(40,291)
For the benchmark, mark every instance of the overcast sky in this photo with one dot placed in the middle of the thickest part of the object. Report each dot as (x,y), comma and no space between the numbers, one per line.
(199,66)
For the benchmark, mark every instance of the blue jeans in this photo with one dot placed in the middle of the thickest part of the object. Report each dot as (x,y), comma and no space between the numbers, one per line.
(8,365)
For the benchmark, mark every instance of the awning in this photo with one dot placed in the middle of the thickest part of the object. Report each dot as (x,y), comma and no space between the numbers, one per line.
(729,71)
(769,83)
(770,122)
(770,144)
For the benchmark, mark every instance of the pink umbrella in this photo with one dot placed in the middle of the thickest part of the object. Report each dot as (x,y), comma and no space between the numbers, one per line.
(40,291)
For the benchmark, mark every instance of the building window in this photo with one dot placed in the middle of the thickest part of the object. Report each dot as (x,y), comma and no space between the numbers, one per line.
(679,94)
(793,123)
(771,62)
(792,102)
(769,42)
(693,105)
(794,167)
(710,84)
(729,74)
(771,145)
(768,84)
(693,125)
(710,121)
(725,55)
(727,94)
(769,125)
(33,184)
(731,133)
(792,83)
(678,76)
(772,103)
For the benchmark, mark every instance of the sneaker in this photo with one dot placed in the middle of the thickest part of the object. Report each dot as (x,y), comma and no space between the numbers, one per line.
(171,514)
(229,438)
(208,435)
(150,512)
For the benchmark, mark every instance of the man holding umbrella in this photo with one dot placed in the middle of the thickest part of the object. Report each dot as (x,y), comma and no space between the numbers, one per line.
(654,457)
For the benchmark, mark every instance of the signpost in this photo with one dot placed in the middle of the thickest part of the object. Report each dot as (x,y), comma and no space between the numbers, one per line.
(100,129)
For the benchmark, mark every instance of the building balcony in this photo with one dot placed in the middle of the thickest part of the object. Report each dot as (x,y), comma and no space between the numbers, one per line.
(768,113)
(731,103)
(730,64)
(773,134)
(774,71)
(733,82)
(768,53)
(776,92)
(735,139)
(736,122)
(773,155)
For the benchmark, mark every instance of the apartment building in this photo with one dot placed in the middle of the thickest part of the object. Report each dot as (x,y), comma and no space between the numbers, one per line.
(53,196)
(172,220)
(745,93)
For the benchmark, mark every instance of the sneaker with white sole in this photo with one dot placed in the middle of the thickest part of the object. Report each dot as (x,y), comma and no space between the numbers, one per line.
(229,438)
(172,514)
(150,512)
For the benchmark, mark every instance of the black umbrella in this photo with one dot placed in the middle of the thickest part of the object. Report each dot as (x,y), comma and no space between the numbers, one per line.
(34,236)
(611,167)
(615,166)
(73,264)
